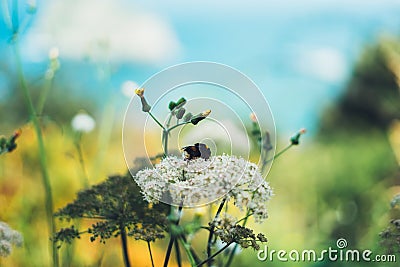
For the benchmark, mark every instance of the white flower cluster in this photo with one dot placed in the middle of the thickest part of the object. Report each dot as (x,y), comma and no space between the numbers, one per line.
(199,181)
(8,238)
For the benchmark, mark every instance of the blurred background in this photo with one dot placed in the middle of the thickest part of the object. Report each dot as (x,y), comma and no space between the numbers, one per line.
(332,67)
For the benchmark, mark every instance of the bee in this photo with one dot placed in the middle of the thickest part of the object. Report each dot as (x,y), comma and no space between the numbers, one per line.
(198,150)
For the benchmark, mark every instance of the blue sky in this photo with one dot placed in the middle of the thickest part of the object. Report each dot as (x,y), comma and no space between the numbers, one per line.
(300,53)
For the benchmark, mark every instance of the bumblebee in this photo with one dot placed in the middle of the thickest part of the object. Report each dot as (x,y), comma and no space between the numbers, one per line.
(198,150)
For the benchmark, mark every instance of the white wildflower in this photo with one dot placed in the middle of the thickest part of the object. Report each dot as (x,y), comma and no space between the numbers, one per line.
(54,53)
(82,122)
(128,88)
(199,181)
(8,238)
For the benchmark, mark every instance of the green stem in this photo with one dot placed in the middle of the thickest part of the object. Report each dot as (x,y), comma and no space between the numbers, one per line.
(43,96)
(280,153)
(85,179)
(177,125)
(210,236)
(169,119)
(188,251)
(157,121)
(245,217)
(165,141)
(178,254)
(41,150)
(151,254)
(173,238)
(214,255)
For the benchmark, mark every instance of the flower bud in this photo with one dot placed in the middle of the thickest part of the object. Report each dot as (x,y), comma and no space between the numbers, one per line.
(253,117)
(145,106)
(196,119)
(176,105)
(188,117)
(180,113)
(139,92)
(295,140)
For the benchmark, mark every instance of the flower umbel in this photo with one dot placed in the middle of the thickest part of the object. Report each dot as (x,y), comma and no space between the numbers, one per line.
(201,181)
(8,239)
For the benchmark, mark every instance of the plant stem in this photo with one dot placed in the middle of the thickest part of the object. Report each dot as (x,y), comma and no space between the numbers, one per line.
(41,148)
(165,139)
(157,121)
(173,238)
(151,254)
(188,250)
(228,263)
(177,125)
(169,249)
(214,255)
(124,242)
(280,153)
(210,236)
(43,96)
(85,179)
(265,162)
(178,254)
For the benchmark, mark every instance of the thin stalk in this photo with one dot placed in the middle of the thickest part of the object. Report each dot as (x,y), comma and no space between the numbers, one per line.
(85,178)
(213,255)
(264,164)
(178,124)
(43,96)
(41,149)
(172,239)
(280,153)
(124,242)
(245,217)
(210,236)
(178,254)
(169,250)
(188,250)
(156,120)
(165,139)
(169,120)
(151,254)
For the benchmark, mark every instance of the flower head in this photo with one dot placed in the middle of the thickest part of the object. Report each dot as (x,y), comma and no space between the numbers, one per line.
(82,122)
(145,106)
(8,238)
(139,92)
(199,117)
(295,140)
(199,181)
(253,117)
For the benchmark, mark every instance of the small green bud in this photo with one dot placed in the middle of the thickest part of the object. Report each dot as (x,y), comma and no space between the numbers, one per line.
(295,140)
(181,102)
(171,105)
(188,117)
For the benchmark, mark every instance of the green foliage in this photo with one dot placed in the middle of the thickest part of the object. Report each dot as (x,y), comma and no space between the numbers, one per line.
(371,99)
(390,238)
